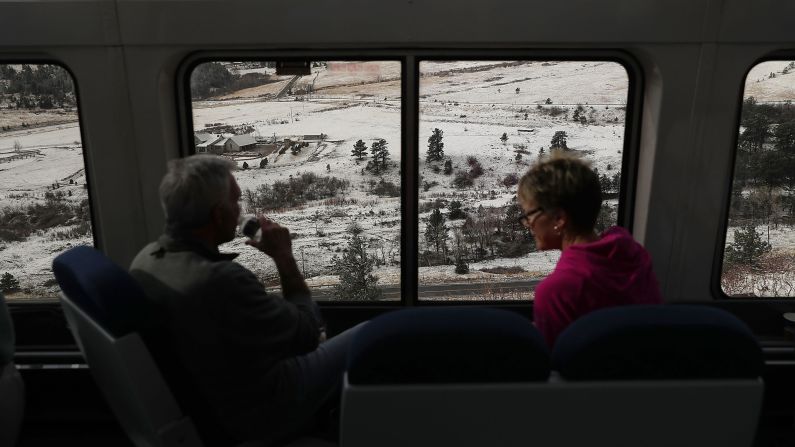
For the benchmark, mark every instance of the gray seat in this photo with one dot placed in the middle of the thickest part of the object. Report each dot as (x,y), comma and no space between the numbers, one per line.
(12,389)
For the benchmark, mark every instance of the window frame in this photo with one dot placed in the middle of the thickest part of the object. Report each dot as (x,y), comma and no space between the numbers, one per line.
(410,60)
(716,288)
(95,231)
(56,346)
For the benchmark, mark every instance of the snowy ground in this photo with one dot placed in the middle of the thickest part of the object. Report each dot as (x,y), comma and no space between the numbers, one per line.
(473,103)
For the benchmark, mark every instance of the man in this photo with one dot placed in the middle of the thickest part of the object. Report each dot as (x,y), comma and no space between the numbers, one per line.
(255,359)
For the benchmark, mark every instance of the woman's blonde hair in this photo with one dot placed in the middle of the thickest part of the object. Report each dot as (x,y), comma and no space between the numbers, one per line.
(563,181)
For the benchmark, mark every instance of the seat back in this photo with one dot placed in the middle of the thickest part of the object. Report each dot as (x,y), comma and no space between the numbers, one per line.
(655,376)
(12,389)
(442,376)
(99,303)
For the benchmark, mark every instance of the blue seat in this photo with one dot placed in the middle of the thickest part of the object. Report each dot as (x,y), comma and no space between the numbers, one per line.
(106,309)
(12,389)
(656,376)
(442,376)
(102,304)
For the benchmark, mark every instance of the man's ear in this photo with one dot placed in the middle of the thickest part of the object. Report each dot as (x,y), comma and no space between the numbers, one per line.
(216,216)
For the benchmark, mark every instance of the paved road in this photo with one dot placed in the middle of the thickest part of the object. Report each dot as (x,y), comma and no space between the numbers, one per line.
(467,290)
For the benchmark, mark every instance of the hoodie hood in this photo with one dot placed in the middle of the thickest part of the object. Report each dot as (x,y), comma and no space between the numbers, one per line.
(616,262)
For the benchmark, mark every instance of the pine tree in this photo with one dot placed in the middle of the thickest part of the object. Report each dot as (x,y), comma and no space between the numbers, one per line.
(8,283)
(605,184)
(504,137)
(461,267)
(380,155)
(355,270)
(448,167)
(263,163)
(436,231)
(748,246)
(455,211)
(359,150)
(435,146)
(559,140)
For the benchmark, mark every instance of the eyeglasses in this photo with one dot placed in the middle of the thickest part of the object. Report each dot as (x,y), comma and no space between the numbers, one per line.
(524,219)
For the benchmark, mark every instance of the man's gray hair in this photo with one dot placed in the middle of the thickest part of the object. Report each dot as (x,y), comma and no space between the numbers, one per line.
(192,187)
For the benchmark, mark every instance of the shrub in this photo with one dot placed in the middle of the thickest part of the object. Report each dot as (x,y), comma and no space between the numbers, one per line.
(455,211)
(462,180)
(386,189)
(8,283)
(294,192)
(428,185)
(461,267)
(510,180)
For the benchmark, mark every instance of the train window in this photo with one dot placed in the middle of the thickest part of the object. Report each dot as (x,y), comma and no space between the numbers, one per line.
(759,250)
(45,207)
(318,149)
(481,125)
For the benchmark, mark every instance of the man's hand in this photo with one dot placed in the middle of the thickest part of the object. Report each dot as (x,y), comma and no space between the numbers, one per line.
(275,240)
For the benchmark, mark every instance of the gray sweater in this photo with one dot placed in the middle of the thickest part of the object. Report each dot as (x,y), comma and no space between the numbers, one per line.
(230,337)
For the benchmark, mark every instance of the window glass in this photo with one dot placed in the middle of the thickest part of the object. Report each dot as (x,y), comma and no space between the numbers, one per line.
(319,153)
(44,207)
(759,254)
(482,125)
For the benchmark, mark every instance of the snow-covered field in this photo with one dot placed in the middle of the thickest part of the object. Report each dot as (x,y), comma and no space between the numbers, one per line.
(473,103)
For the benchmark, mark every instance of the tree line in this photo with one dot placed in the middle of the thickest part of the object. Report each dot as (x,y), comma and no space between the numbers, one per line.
(763,187)
(37,87)
(213,78)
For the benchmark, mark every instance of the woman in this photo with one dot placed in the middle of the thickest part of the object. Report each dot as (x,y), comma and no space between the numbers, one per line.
(560,199)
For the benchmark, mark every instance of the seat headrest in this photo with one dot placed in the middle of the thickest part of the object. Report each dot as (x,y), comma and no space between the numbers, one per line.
(447,345)
(101,288)
(657,342)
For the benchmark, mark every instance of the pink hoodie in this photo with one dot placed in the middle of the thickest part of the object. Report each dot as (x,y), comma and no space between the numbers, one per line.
(612,271)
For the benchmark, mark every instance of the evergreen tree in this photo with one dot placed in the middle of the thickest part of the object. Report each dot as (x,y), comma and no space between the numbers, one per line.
(616,181)
(748,246)
(435,146)
(504,137)
(455,211)
(461,267)
(436,231)
(380,156)
(359,150)
(559,140)
(578,113)
(605,184)
(263,163)
(756,132)
(355,270)
(8,283)
(448,167)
